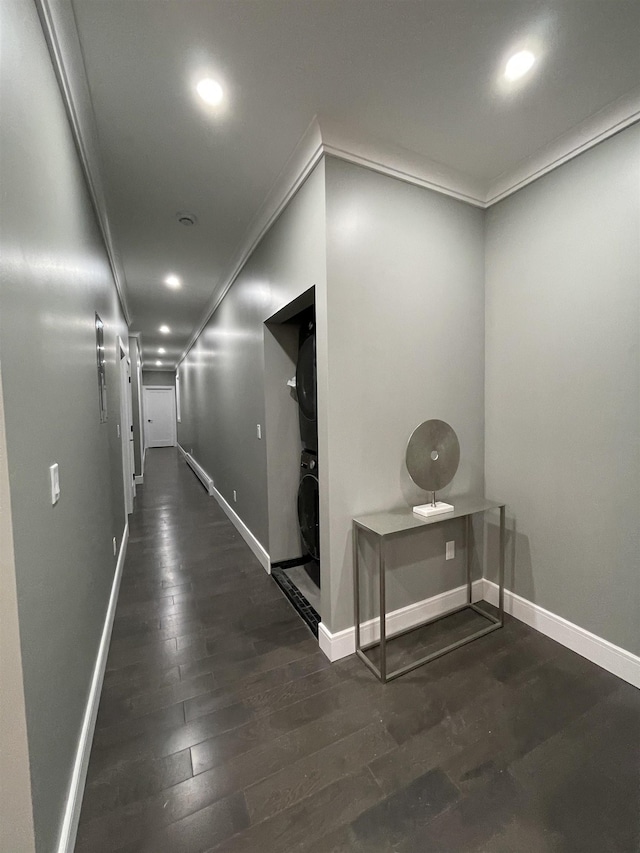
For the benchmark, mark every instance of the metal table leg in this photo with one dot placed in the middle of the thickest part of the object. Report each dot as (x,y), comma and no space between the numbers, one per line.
(356,592)
(501,566)
(356,581)
(383,610)
(469,543)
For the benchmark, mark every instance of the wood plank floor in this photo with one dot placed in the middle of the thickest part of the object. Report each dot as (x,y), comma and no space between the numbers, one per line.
(222,727)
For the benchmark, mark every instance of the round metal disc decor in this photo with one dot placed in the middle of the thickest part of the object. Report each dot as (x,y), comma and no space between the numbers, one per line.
(433,455)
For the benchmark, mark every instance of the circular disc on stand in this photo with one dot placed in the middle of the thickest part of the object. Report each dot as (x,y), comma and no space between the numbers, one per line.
(433,455)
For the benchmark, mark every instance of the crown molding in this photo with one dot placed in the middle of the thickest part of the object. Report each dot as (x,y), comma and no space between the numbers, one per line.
(605,123)
(397,162)
(323,137)
(306,155)
(61,34)
(415,169)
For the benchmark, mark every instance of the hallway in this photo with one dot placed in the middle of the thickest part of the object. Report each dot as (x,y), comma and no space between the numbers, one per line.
(222,727)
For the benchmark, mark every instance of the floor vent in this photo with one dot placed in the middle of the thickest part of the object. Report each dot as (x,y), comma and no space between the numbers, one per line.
(297,599)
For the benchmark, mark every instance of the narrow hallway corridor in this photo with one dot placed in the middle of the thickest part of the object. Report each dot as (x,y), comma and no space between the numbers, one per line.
(222,727)
(267,241)
(193,602)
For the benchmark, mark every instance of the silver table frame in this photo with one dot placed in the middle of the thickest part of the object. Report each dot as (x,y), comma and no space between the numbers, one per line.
(462,509)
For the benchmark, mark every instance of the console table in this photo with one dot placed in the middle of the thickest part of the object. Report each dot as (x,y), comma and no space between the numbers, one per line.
(401,522)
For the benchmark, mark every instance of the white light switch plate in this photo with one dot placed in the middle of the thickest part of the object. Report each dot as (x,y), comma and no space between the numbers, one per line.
(54,479)
(450,550)
(259,431)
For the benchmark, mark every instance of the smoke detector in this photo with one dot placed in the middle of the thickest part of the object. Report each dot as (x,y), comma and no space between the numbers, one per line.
(185,218)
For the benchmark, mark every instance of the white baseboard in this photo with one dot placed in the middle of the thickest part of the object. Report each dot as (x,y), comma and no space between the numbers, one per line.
(139,478)
(69,830)
(198,470)
(235,519)
(614,659)
(244,531)
(343,643)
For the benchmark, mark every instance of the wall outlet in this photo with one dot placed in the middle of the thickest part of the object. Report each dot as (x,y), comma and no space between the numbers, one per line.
(235,496)
(118,429)
(450,550)
(115,546)
(259,430)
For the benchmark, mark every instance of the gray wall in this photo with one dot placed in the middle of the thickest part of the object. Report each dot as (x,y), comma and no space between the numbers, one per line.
(158,377)
(563,386)
(222,382)
(405,343)
(400,338)
(16,814)
(53,276)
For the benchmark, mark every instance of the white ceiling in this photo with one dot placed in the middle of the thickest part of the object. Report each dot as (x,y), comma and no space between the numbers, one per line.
(425,76)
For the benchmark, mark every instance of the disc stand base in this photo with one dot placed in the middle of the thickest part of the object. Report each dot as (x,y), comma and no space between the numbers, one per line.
(439,508)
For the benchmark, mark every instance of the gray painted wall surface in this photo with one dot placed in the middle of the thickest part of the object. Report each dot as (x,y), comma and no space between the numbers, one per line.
(405,343)
(16,814)
(158,377)
(136,400)
(54,275)
(222,379)
(563,386)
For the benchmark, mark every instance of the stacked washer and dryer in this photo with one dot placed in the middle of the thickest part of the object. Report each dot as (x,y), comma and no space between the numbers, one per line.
(308,503)
(299,577)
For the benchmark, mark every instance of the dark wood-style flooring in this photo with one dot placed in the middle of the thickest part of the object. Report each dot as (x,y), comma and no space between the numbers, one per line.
(222,727)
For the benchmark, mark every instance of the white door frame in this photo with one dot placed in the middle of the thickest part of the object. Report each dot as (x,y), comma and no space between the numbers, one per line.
(140,410)
(126,429)
(173,421)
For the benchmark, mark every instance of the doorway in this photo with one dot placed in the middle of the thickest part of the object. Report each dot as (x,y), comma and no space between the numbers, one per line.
(160,416)
(126,431)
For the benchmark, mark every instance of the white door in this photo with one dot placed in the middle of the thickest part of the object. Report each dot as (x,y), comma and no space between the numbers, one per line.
(160,417)
(126,431)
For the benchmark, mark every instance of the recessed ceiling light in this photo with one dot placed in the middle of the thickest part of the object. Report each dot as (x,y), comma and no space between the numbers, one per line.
(173,281)
(161,351)
(210,91)
(158,363)
(165,330)
(519,64)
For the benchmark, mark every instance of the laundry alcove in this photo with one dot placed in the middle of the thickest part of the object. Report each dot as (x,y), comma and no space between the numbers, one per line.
(289,450)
